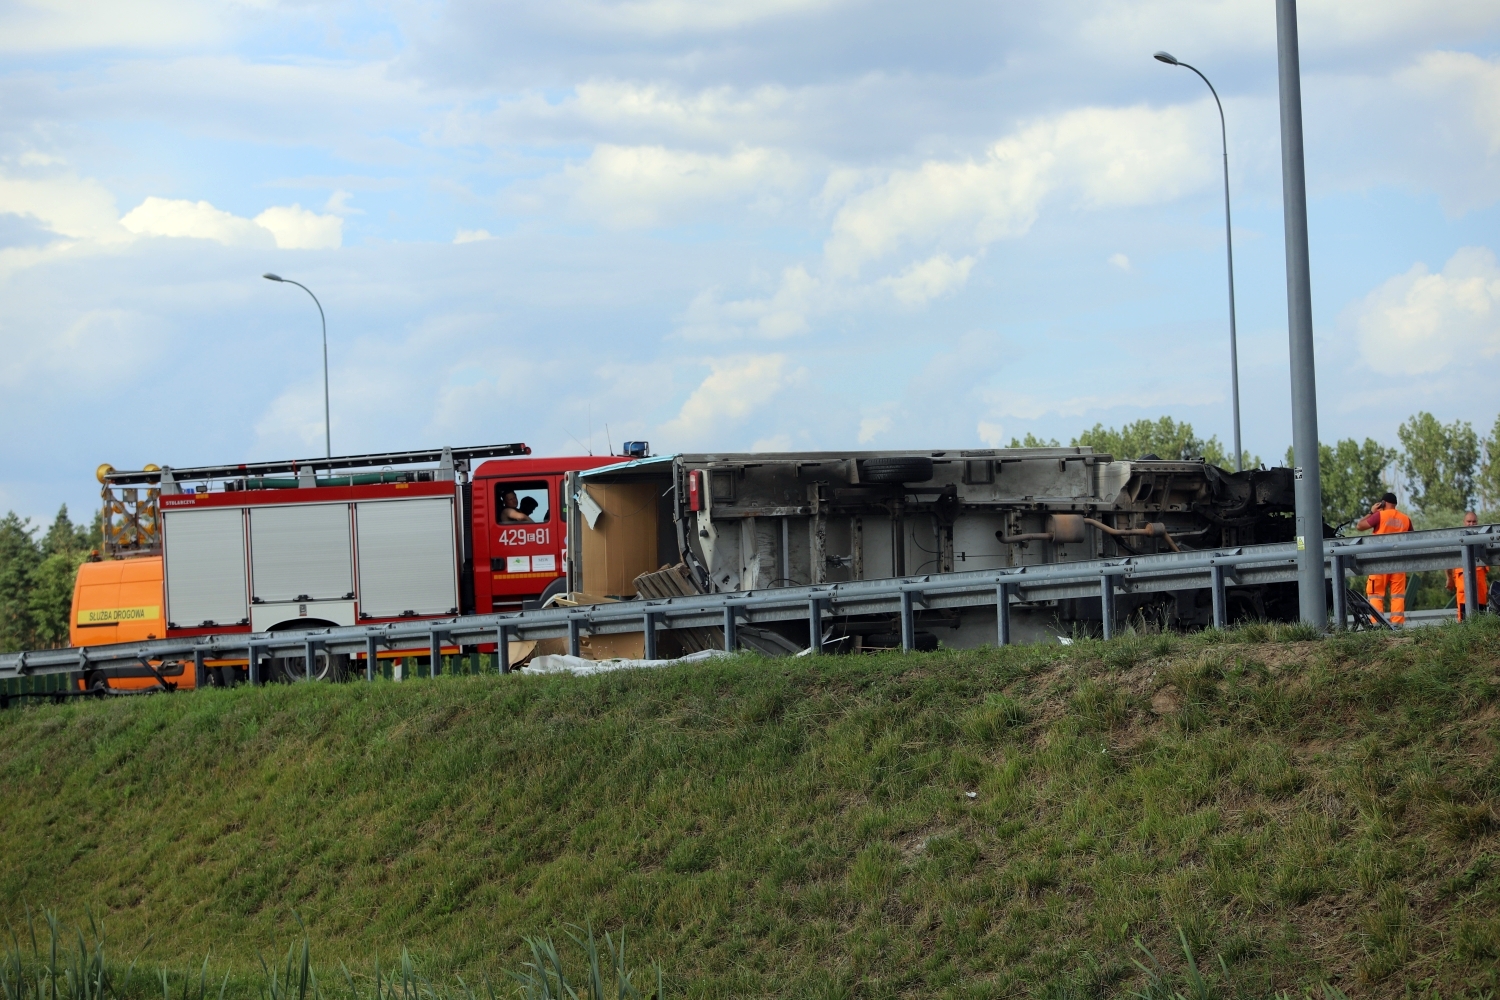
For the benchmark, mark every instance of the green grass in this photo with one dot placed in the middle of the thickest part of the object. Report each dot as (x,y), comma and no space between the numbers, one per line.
(1296,811)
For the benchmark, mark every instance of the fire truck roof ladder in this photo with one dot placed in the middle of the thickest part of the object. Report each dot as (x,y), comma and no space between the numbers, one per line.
(445,457)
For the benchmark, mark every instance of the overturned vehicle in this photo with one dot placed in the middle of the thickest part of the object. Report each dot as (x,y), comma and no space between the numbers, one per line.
(716,523)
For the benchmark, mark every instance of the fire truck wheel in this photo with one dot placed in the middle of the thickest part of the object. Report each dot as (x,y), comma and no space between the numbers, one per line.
(558,586)
(901,469)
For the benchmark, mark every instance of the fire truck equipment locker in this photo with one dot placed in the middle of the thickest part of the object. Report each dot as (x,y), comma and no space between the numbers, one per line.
(301,564)
(205,567)
(407,557)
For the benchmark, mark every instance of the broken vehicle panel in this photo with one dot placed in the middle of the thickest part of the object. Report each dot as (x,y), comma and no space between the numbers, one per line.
(744,522)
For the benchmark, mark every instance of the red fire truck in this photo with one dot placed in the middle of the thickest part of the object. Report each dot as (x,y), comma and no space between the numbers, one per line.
(324,542)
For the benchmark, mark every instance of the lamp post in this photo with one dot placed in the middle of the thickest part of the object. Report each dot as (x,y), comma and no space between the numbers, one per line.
(327,429)
(1234,353)
(1307,477)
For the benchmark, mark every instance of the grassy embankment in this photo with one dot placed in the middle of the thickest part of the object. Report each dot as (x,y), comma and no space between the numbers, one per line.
(987,823)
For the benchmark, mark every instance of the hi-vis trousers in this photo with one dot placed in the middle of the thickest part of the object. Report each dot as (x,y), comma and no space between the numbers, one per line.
(1375,589)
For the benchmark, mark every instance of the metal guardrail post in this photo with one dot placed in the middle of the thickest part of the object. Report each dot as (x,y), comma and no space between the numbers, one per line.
(252,668)
(198,671)
(908,624)
(573,635)
(815,625)
(648,631)
(1471,583)
(1107,604)
(310,653)
(731,636)
(1002,613)
(435,656)
(372,658)
(1340,595)
(502,648)
(1221,611)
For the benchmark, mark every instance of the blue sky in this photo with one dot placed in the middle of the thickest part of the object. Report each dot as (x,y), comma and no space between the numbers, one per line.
(721,225)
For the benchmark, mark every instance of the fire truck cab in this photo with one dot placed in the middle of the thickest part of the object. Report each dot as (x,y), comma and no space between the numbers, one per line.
(519,551)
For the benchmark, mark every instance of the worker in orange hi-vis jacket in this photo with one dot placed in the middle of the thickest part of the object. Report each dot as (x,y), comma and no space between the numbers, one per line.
(1481,576)
(1385,519)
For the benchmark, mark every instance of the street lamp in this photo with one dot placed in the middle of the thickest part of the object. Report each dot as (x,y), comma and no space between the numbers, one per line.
(1234,358)
(327,432)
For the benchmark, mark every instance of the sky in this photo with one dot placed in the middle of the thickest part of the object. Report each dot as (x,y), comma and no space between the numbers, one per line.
(722,224)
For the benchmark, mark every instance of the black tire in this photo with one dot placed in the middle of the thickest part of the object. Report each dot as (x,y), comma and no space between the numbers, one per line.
(905,469)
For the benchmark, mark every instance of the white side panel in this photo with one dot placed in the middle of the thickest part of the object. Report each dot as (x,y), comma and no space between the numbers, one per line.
(205,566)
(264,617)
(407,558)
(301,552)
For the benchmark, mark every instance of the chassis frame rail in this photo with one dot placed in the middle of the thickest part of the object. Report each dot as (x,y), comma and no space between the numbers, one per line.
(1212,569)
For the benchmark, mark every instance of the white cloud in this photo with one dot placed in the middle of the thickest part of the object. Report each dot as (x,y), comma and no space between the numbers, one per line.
(80,208)
(193,220)
(671,17)
(294,419)
(991,434)
(636,186)
(286,227)
(338,203)
(69,25)
(709,113)
(297,228)
(472,236)
(872,427)
(1227,26)
(930,279)
(734,389)
(1106,156)
(1120,260)
(1419,322)
(785,313)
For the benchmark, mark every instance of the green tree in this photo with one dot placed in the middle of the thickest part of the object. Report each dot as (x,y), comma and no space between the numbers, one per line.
(51,599)
(63,548)
(1353,476)
(1165,438)
(19,557)
(66,537)
(36,580)
(1489,474)
(1440,462)
(1032,441)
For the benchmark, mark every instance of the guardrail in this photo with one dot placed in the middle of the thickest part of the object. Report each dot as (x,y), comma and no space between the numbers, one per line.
(1211,569)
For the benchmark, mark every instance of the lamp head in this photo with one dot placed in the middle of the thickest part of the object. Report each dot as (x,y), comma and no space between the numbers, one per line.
(1166,57)
(272,277)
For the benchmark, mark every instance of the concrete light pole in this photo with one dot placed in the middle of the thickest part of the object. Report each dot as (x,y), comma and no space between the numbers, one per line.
(1234,351)
(327,426)
(1309,488)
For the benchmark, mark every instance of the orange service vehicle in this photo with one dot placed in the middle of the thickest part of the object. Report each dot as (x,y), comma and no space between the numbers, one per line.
(314,543)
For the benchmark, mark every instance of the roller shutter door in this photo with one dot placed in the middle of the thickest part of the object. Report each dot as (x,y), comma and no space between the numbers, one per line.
(301,552)
(407,562)
(205,567)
